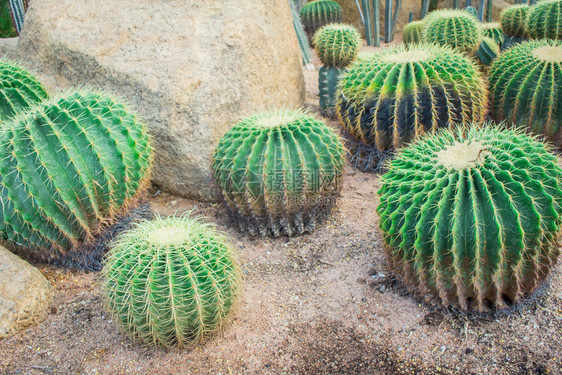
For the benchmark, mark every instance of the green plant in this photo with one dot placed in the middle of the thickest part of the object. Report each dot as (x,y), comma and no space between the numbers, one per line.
(318,13)
(7,29)
(493,30)
(279,172)
(401,93)
(328,79)
(337,44)
(19,89)
(454,28)
(67,167)
(371,20)
(472,10)
(301,36)
(513,20)
(545,20)
(413,32)
(471,216)
(525,87)
(171,282)
(390,19)
(487,51)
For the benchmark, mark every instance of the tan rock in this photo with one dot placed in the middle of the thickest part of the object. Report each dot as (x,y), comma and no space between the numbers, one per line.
(24,294)
(190,67)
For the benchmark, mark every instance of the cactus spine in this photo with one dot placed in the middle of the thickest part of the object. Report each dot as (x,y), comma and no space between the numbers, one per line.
(68,166)
(171,282)
(545,20)
(413,32)
(455,28)
(318,13)
(19,89)
(471,215)
(402,93)
(279,172)
(525,87)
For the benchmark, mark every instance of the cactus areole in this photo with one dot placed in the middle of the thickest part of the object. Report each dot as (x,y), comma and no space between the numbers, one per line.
(471,216)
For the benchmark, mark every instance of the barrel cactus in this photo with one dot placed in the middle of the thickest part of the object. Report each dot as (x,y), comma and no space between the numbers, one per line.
(471,215)
(401,93)
(454,28)
(19,89)
(413,32)
(545,20)
(279,172)
(513,20)
(67,167)
(171,282)
(525,87)
(318,13)
(337,46)
(487,51)
(493,30)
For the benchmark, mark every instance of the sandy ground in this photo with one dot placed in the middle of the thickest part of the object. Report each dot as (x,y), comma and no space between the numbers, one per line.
(322,303)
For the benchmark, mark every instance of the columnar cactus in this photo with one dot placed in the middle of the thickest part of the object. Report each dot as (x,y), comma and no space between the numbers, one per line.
(494,31)
(413,32)
(513,20)
(545,20)
(318,13)
(18,89)
(337,46)
(455,28)
(487,51)
(171,282)
(400,94)
(471,215)
(526,86)
(68,166)
(279,172)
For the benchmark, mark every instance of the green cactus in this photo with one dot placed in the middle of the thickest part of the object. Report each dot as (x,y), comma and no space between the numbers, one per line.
(328,78)
(455,28)
(279,172)
(545,20)
(513,20)
(487,51)
(318,13)
(337,44)
(401,93)
(19,89)
(67,167)
(472,10)
(171,282)
(471,215)
(525,87)
(493,30)
(413,32)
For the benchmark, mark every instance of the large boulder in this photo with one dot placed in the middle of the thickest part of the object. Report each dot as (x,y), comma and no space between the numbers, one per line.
(190,67)
(24,294)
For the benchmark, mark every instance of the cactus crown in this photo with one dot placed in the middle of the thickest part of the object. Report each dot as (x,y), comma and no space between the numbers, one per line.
(513,20)
(68,166)
(455,28)
(545,20)
(19,89)
(337,44)
(471,215)
(412,32)
(525,85)
(279,172)
(402,92)
(318,13)
(171,282)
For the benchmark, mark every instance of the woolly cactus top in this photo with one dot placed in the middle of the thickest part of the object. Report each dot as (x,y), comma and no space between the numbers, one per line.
(337,44)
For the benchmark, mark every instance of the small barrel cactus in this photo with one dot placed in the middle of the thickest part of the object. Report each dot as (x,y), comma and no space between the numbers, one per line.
(513,20)
(19,89)
(526,87)
(454,28)
(545,20)
(318,13)
(68,166)
(400,94)
(413,32)
(487,51)
(493,30)
(337,44)
(471,216)
(279,172)
(171,282)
